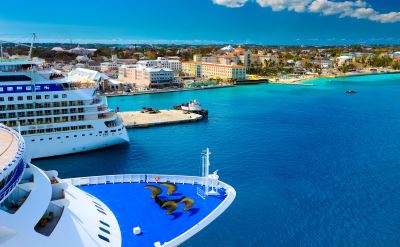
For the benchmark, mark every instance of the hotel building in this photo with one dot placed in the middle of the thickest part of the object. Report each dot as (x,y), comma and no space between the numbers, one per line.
(162,62)
(147,77)
(214,71)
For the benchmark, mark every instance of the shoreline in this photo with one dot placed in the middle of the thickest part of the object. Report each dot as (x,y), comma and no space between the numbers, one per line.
(367,73)
(293,81)
(164,91)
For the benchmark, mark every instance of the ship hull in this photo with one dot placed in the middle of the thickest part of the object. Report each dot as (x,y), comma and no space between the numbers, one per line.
(48,145)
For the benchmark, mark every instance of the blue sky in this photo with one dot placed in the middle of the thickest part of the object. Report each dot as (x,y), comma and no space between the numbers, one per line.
(274,22)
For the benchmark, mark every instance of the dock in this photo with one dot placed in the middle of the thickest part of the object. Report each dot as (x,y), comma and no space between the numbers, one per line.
(137,119)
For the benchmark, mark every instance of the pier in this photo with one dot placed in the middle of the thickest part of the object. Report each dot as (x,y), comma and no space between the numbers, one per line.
(137,119)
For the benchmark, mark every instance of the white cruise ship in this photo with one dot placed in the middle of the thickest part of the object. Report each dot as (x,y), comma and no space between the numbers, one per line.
(57,115)
(37,208)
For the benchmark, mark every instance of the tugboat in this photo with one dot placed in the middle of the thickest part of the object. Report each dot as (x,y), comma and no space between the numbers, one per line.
(351,91)
(193,107)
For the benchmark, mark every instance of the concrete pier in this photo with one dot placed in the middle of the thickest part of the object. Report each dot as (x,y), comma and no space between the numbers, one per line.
(137,119)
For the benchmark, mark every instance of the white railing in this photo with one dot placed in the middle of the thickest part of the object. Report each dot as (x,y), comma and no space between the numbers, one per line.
(141,178)
(159,178)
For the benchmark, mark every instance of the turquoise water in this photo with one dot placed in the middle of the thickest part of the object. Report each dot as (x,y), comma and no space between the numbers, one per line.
(312,166)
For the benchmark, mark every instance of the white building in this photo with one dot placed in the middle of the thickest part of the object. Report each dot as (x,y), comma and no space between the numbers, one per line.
(162,62)
(143,76)
(107,66)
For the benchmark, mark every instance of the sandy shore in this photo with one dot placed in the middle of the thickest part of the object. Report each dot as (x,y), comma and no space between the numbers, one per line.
(302,81)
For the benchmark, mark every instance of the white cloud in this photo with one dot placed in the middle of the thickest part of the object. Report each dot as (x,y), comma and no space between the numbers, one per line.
(357,9)
(292,5)
(230,3)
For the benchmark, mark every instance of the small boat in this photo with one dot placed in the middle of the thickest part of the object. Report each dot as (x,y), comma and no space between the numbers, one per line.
(194,107)
(351,91)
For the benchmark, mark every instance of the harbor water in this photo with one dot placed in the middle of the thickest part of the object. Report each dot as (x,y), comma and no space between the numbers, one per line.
(312,166)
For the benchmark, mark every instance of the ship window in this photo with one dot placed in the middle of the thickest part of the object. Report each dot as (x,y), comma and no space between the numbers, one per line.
(38,97)
(103,238)
(32,140)
(10,98)
(64,96)
(104,230)
(104,223)
(1,99)
(47,96)
(29,98)
(55,96)
(101,211)
(20,98)
(8,78)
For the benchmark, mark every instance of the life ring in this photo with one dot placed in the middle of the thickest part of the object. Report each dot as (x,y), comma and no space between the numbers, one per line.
(157,178)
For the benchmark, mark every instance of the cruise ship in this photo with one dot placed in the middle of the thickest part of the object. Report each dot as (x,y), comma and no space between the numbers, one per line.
(37,208)
(56,114)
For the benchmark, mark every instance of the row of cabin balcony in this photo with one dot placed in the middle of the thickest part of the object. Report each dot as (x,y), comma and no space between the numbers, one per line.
(65,104)
(56,130)
(53,120)
(31,115)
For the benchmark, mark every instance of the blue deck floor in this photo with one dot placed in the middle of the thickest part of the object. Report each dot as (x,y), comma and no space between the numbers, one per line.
(132,205)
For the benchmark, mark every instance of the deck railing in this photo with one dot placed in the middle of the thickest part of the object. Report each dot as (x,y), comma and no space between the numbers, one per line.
(159,178)
(142,178)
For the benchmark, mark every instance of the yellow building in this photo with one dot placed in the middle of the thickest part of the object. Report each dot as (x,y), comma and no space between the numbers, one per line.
(192,69)
(214,71)
(222,71)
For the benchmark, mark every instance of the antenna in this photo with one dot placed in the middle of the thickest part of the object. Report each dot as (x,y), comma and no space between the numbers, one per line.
(31,47)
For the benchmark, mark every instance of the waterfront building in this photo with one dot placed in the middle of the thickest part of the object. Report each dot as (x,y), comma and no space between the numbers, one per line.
(192,69)
(37,208)
(162,62)
(224,72)
(214,71)
(56,114)
(146,77)
(324,64)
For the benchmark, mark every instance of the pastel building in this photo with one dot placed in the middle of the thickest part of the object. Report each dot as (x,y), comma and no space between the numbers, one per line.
(214,70)
(148,77)
(222,71)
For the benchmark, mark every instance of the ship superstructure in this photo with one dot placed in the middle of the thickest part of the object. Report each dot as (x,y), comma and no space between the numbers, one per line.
(53,110)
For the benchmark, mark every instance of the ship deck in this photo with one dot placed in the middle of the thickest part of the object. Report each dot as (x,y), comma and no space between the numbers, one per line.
(133,206)
(8,148)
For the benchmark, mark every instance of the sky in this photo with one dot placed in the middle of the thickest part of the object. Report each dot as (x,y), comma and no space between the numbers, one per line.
(264,22)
